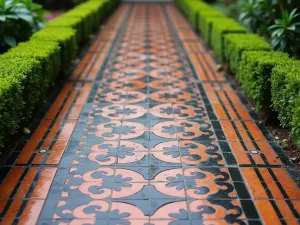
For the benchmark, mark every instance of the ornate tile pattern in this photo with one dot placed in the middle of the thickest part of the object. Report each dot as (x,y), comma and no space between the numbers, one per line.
(146,132)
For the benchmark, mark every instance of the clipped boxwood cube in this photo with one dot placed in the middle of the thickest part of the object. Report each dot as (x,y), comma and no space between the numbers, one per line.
(29,74)
(48,53)
(255,73)
(220,27)
(193,8)
(109,5)
(11,104)
(236,44)
(285,83)
(92,11)
(86,17)
(66,37)
(205,23)
(69,22)
(97,7)
(296,121)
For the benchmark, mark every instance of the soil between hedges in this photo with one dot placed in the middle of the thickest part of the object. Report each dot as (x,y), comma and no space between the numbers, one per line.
(286,143)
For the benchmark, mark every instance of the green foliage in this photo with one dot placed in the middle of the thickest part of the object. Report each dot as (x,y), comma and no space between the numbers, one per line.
(67,42)
(232,10)
(69,22)
(96,8)
(11,104)
(109,5)
(27,70)
(261,16)
(86,17)
(255,73)
(47,53)
(184,5)
(286,33)
(192,10)
(236,44)
(285,90)
(29,74)
(205,22)
(258,15)
(296,122)
(18,20)
(219,29)
(179,4)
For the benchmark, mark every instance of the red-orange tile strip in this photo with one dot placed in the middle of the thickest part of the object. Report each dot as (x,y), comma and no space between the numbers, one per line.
(31,212)
(27,182)
(267,212)
(8,185)
(59,101)
(80,67)
(43,184)
(287,183)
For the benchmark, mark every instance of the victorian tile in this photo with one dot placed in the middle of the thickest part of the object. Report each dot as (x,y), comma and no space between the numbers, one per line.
(147,132)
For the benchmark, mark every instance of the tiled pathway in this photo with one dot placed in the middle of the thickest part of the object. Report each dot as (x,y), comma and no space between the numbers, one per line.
(147,132)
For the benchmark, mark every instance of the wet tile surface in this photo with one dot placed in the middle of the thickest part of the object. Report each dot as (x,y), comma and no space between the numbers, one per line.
(147,132)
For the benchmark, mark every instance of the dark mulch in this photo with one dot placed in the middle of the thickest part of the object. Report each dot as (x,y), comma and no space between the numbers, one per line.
(287,144)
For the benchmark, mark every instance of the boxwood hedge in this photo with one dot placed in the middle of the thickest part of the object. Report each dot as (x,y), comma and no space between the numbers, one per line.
(86,16)
(193,10)
(219,29)
(270,78)
(69,22)
(109,5)
(296,121)
(11,104)
(285,81)
(27,70)
(255,73)
(235,44)
(67,42)
(205,20)
(47,53)
(97,8)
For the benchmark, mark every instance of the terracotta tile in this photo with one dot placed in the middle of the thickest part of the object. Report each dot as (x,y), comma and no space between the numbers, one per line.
(41,130)
(267,212)
(10,182)
(31,212)
(96,67)
(26,183)
(163,138)
(43,184)
(286,212)
(80,67)
(30,153)
(2,205)
(257,189)
(287,183)
(239,152)
(12,211)
(198,67)
(57,152)
(59,101)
